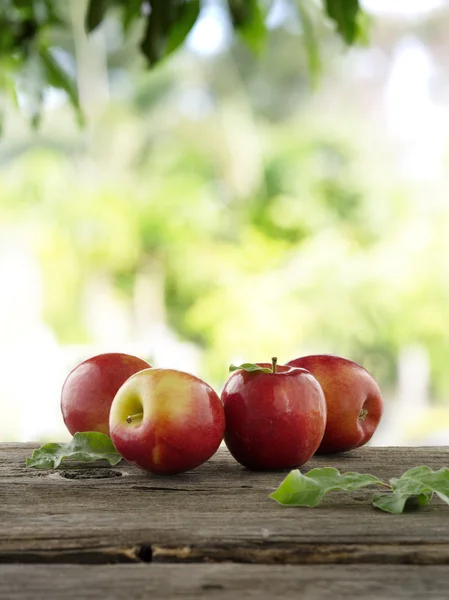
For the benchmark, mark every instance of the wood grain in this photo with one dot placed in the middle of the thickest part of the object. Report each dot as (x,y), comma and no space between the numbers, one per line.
(219,512)
(222,582)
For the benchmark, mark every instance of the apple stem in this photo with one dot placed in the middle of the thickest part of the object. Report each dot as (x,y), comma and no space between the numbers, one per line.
(130,418)
(363,414)
(274,361)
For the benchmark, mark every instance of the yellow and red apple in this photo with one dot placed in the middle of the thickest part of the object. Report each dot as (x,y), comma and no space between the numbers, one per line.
(353,398)
(89,390)
(275,418)
(166,421)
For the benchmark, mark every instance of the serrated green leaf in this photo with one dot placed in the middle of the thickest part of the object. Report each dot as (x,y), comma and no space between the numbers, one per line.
(420,480)
(344,13)
(84,447)
(250,367)
(95,14)
(309,489)
(396,503)
(415,486)
(248,19)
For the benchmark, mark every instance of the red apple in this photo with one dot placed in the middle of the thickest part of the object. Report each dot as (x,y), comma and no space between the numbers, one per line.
(353,398)
(166,421)
(89,390)
(275,419)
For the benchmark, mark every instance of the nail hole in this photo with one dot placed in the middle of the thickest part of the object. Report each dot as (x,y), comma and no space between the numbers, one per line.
(145,553)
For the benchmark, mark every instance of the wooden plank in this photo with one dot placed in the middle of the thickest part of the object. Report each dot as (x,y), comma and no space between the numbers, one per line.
(224,581)
(218,512)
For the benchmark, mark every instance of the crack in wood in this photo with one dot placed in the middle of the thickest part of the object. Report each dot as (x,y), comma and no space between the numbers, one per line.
(87,556)
(154,488)
(294,554)
(90,474)
(308,554)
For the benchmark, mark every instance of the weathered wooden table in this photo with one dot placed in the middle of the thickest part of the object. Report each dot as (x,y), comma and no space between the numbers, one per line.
(109,532)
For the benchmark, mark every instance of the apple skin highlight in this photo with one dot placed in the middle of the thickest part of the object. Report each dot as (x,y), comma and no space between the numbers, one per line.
(166,421)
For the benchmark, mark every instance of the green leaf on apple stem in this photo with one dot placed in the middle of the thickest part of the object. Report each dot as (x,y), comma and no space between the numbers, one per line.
(415,487)
(309,489)
(84,447)
(250,367)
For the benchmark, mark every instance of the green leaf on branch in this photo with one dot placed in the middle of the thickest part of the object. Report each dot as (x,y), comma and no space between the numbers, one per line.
(57,77)
(250,367)
(186,19)
(84,447)
(95,14)
(345,14)
(131,11)
(309,489)
(415,487)
(168,24)
(248,19)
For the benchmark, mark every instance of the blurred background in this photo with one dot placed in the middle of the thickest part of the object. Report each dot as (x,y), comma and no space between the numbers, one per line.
(232,205)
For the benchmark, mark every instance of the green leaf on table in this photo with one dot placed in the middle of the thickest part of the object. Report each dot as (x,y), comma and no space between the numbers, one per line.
(84,447)
(250,367)
(309,489)
(415,487)
(396,503)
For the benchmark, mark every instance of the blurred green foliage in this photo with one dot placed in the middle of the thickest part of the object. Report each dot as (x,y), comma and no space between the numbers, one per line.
(274,225)
(38,38)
